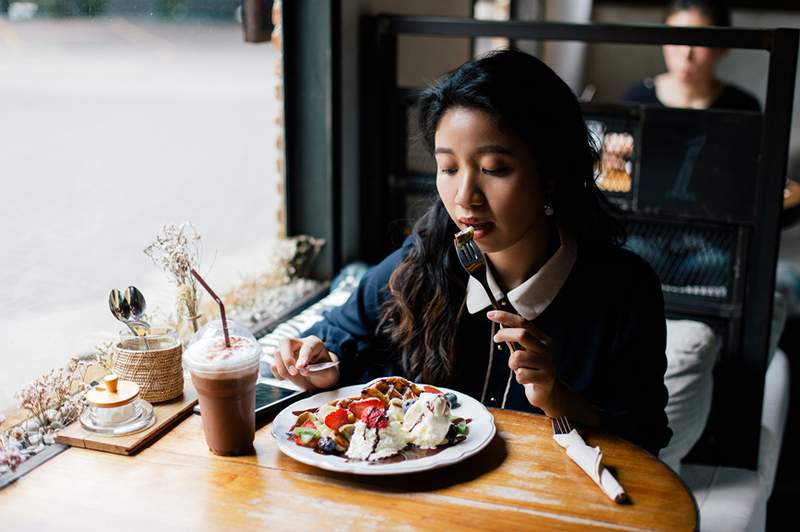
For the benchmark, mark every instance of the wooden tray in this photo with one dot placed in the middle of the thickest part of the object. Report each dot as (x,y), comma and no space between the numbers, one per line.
(167,415)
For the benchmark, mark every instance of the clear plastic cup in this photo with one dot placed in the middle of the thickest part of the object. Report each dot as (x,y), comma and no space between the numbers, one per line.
(225,380)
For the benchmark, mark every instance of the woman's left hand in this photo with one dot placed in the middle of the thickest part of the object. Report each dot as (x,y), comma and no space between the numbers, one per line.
(532,363)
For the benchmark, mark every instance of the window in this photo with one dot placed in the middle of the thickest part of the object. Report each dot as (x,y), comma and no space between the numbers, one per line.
(145,114)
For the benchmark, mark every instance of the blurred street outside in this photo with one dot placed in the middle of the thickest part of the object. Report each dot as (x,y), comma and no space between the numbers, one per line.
(109,128)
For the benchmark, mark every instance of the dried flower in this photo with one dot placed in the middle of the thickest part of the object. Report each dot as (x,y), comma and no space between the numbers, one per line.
(17,433)
(11,458)
(176,251)
(60,391)
(104,356)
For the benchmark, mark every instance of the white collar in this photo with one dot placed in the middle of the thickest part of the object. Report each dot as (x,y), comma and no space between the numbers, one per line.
(533,296)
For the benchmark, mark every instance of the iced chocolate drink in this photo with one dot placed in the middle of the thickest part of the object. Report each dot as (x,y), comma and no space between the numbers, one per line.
(225,380)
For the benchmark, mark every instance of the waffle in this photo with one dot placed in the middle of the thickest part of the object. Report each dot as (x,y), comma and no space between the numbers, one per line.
(385,389)
(392,388)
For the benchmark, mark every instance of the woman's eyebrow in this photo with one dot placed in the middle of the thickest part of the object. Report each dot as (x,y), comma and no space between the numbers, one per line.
(494,148)
(491,148)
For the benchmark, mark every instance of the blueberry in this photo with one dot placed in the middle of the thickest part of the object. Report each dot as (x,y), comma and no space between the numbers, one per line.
(327,445)
(452,399)
(407,404)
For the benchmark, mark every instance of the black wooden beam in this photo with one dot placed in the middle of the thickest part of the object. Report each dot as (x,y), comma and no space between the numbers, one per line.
(604,33)
(757,319)
(311,107)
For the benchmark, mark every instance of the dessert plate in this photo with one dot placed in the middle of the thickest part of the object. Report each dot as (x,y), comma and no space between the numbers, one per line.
(481,432)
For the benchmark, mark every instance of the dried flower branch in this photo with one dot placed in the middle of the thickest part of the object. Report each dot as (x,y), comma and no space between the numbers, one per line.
(55,399)
(176,251)
(105,356)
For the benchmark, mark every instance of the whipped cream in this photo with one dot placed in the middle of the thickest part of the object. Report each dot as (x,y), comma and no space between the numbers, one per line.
(428,420)
(211,354)
(370,443)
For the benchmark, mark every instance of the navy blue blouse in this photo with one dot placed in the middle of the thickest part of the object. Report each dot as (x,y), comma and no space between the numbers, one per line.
(608,331)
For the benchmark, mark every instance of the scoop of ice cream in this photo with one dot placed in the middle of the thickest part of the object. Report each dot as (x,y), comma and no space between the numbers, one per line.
(428,420)
(378,437)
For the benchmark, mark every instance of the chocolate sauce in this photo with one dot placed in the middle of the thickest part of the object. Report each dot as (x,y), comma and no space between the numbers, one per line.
(377,440)
(415,424)
(335,453)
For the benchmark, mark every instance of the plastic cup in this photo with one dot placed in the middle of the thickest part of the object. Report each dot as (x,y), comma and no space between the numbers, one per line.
(225,380)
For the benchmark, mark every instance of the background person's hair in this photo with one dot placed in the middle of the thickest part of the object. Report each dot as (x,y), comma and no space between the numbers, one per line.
(531,102)
(717,12)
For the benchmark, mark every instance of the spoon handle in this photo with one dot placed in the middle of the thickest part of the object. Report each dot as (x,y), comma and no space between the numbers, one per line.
(321,366)
(139,330)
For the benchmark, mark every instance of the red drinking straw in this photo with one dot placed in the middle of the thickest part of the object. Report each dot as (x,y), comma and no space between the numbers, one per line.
(219,302)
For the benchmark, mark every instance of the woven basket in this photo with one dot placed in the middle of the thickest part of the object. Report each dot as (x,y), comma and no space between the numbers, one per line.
(158,372)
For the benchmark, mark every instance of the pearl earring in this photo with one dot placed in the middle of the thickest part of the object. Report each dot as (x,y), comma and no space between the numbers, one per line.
(548,209)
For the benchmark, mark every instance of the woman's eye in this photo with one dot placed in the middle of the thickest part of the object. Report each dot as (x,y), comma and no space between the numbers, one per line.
(448,171)
(500,171)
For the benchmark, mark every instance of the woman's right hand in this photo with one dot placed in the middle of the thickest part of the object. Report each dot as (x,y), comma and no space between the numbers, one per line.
(294,354)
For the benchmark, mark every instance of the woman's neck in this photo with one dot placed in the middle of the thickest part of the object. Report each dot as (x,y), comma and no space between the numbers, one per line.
(676,93)
(517,263)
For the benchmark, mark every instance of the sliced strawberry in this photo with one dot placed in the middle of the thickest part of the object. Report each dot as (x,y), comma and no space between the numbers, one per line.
(375,418)
(336,419)
(358,407)
(430,389)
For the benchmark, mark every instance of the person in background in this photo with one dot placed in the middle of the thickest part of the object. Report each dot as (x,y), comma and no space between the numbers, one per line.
(516,163)
(690,80)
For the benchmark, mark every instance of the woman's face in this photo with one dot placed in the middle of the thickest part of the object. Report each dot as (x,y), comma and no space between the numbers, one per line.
(691,64)
(487,179)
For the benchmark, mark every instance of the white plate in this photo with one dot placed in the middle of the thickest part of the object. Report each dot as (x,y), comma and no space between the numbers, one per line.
(481,432)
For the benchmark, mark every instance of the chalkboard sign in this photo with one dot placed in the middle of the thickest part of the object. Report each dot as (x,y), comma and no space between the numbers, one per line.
(698,164)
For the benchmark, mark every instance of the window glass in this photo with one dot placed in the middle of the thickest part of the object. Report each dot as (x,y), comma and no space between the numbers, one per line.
(117,118)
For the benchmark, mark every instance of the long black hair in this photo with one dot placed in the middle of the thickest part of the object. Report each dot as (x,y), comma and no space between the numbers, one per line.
(531,102)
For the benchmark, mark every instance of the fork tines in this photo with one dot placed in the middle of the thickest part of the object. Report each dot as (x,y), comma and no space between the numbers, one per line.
(560,425)
(470,255)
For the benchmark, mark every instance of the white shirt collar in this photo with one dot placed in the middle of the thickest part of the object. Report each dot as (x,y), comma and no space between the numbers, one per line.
(533,296)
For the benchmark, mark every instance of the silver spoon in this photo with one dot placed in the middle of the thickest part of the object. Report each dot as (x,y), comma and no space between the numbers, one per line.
(137,305)
(120,309)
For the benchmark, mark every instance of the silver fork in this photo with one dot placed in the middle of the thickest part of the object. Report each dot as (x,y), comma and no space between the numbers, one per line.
(560,425)
(471,258)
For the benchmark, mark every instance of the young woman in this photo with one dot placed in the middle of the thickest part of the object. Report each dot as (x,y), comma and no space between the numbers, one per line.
(690,80)
(515,162)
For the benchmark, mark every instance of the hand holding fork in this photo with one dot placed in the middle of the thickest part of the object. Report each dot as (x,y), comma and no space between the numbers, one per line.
(530,350)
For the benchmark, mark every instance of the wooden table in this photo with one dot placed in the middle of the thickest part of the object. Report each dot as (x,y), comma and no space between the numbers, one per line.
(522,480)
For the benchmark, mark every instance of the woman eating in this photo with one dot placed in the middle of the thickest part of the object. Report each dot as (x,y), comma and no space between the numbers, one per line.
(515,162)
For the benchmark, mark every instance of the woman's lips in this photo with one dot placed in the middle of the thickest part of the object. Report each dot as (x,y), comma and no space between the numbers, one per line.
(481,228)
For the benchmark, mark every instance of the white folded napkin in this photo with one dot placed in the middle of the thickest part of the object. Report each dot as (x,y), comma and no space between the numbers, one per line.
(590,459)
